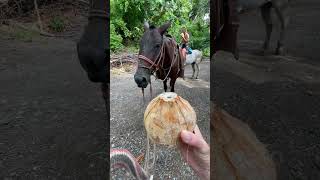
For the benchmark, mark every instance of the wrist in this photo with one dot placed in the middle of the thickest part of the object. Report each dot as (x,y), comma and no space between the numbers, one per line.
(205,174)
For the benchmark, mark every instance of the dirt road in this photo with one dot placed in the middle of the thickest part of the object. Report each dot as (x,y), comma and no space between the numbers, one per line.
(52,119)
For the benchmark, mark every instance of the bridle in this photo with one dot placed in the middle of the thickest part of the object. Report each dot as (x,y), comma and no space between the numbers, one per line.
(154,66)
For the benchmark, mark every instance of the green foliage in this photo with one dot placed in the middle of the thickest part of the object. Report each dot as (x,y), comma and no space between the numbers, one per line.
(127,17)
(133,48)
(199,34)
(206,52)
(115,39)
(57,24)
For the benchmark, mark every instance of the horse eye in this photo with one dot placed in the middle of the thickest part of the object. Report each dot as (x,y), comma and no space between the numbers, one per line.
(157,46)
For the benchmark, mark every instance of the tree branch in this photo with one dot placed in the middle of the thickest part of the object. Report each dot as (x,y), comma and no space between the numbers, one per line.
(38,15)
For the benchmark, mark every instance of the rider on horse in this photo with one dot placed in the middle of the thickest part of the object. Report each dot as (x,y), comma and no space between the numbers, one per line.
(184,41)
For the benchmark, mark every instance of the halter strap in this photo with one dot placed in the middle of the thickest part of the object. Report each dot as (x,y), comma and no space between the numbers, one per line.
(154,63)
(148,60)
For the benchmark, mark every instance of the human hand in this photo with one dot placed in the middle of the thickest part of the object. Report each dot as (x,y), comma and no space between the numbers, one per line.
(196,152)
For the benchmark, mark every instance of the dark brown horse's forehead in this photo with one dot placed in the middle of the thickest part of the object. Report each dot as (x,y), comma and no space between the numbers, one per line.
(151,37)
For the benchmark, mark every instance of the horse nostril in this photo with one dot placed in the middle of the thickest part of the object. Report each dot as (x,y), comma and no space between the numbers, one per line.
(144,79)
(139,79)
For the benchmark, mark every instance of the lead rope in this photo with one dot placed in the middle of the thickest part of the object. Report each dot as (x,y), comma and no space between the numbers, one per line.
(150,91)
(150,167)
(142,90)
(172,63)
(144,100)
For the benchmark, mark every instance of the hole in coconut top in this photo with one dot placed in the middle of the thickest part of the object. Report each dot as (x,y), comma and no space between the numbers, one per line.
(168,96)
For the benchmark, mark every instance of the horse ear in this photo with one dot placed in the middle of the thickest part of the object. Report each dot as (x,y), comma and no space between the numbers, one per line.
(146,25)
(162,29)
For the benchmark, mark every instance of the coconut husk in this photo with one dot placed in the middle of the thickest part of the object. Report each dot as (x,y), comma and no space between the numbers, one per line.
(237,153)
(166,116)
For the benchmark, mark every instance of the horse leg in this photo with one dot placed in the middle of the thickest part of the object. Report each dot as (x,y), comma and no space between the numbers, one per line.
(105,93)
(198,68)
(165,85)
(193,70)
(266,16)
(284,19)
(172,82)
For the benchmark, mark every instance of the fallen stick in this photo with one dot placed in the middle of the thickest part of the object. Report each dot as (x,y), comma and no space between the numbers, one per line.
(84,1)
(38,15)
(122,61)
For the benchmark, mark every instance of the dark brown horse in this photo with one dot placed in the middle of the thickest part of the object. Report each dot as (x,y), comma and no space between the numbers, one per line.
(159,54)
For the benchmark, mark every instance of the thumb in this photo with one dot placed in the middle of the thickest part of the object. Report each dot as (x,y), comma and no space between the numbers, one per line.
(191,139)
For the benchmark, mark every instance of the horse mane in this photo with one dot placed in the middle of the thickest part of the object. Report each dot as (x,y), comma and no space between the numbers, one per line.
(168,37)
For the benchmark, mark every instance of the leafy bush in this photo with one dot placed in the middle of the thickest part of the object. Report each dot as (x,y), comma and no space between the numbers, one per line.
(206,52)
(57,24)
(127,18)
(115,39)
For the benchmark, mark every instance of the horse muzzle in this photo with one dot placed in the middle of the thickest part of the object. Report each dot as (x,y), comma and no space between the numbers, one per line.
(141,81)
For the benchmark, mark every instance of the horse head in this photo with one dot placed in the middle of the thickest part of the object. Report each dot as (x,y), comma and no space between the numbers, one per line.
(151,45)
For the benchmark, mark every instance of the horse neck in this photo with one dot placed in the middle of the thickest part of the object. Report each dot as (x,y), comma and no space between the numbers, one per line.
(168,55)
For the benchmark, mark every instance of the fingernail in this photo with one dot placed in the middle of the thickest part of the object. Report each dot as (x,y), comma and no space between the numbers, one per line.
(186,137)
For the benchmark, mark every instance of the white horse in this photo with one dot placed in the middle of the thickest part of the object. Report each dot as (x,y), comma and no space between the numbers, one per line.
(194,59)
(281,9)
